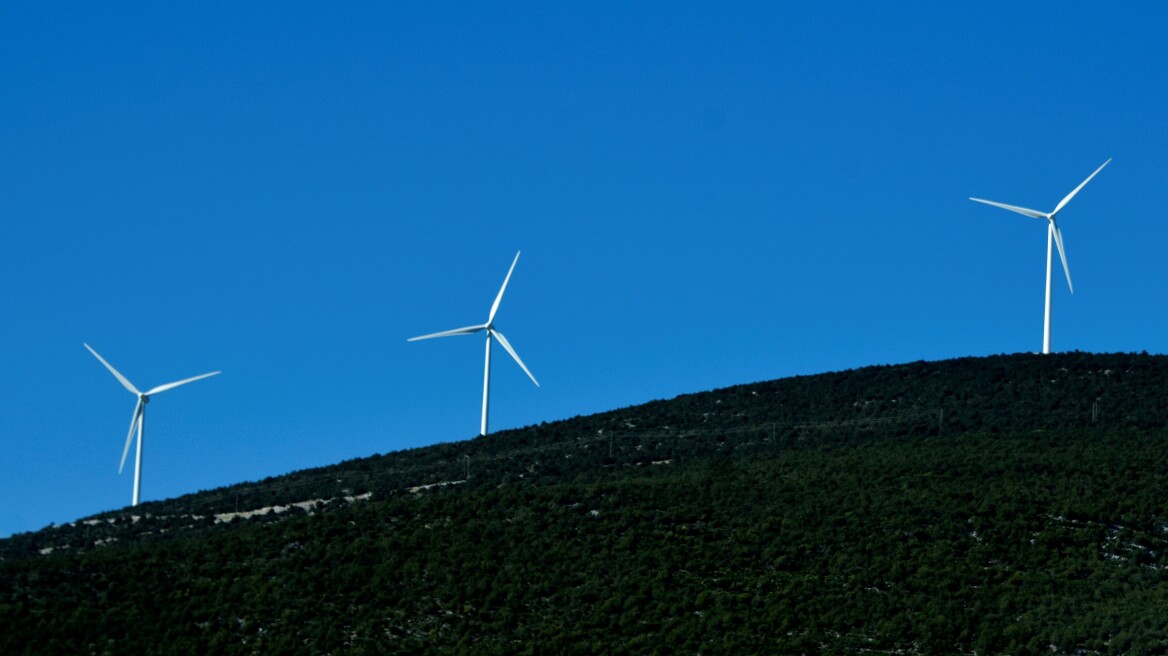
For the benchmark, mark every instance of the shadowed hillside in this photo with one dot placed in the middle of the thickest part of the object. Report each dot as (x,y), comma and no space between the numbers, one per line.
(1011,504)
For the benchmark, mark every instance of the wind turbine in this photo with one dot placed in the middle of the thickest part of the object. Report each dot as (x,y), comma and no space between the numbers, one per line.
(491,331)
(1053,234)
(139,417)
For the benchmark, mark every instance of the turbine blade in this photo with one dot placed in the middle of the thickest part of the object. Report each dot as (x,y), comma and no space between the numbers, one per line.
(122,379)
(1058,241)
(507,345)
(499,297)
(447,333)
(130,436)
(168,386)
(1082,184)
(1035,214)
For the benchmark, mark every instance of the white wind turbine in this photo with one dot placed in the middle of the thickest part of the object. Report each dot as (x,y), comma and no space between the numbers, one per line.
(489,327)
(139,417)
(1053,234)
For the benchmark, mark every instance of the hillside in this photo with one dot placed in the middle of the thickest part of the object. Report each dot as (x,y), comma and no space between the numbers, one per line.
(1009,504)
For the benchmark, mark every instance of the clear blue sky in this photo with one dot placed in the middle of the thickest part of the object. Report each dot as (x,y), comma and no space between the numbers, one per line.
(704,195)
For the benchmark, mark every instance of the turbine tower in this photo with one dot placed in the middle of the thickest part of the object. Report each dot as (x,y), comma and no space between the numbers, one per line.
(492,332)
(139,417)
(1053,235)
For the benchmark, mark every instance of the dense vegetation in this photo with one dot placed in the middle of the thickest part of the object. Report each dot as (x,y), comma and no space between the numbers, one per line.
(1011,504)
